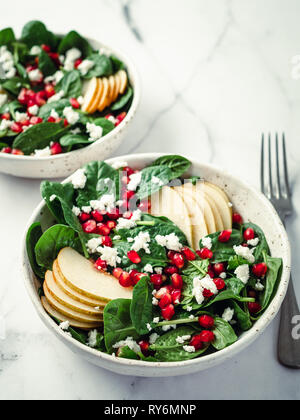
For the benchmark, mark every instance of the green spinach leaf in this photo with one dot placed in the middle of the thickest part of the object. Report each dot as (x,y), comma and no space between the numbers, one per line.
(102,66)
(141,309)
(71,84)
(123,100)
(46,65)
(224,334)
(33,235)
(7,36)
(74,40)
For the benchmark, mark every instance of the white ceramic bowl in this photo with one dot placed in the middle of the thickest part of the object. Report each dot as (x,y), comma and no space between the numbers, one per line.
(64,164)
(252,205)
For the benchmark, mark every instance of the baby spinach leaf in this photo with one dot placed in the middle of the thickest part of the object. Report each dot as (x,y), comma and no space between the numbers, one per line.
(226,295)
(117,64)
(14,85)
(71,84)
(123,100)
(52,241)
(167,349)
(38,136)
(196,268)
(46,65)
(20,51)
(105,124)
(224,250)
(234,284)
(74,40)
(126,353)
(33,235)
(272,278)
(141,309)
(262,245)
(57,106)
(178,164)
(6,36)
(224,334)
(102,66)
(234,261)
(13,106)
(117,323)
(74,139)
(242,317)
(36,33)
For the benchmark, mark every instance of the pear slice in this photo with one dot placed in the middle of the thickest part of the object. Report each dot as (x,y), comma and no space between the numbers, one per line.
(103,98)
(66,300)
(123,77)
(72,293)
(168,202)
(222,192)
(93,107)
(73,322)
(91,319)
(221,204)
(111,81)
(117,87)
(90,89)
(79,274)
(216,215)
(199,228)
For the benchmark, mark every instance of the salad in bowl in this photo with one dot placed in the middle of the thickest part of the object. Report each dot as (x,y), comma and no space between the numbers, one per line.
(151,264)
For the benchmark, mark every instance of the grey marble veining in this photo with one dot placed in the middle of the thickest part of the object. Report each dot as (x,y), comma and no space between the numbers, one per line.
(215,74)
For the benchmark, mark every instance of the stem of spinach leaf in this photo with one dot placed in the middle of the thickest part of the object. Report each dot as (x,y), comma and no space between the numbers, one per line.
(145,223)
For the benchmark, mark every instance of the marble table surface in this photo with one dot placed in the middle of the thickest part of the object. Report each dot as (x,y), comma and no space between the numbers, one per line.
(215,74)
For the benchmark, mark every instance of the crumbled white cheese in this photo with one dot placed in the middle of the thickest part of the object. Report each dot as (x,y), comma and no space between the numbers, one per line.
(259,286)
(95,131)
(75,130)
(71,56)
(119,164)
(85,66)
(154,301)
(71,115)
(156,180)
(105,203)
(129,341)
(54,114)
(56,97)
(148,326)
(189,349)
(129,223)
(52,197)
(199,284)
(35,75)
(79,179)
(168,327)
(189,308)
(116,237)
(3,99)
(206,242)
(156,320)
(191,316)
(158,270)
(21,116)
(253,242)
(35,50)
(5,124)
(223,275)
(55,78)
(112,119)
(93,244)
(135,180)
(228,314)
(153,337)
(148,268)
(242,273)
(92,338)
(86,209)
(64,325)
(182,339)
(141,241)
(245,252)
(170,241)
(110,255)
(42,152)
(7,62)
(33,110)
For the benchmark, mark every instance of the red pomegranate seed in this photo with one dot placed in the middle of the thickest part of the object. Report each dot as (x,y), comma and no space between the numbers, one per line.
(145,206)
(220,283)
(196,342)
(129,171)
(206,321)
(210,271)
(17,152)
(168,312)
(16,127)
(188,253)
(165,300)
(156,279)
(237,218)
(219,268)
(31,67)
(176,296)
(125,279)
(127,215)
(117,272)
(83,217)
(120,118)
(102,229)
(51,119)
(96,215)
(55,148)
(6,150)
(207,293)
(207,336)
(137,277)
(176,281)
(249,234)
(36,120)
(178,260)
(127,195)
(254,307)
(75,104)
(49,90)
(144,345)
(260,269)
(134,257)
(77,62)
(22,97)
(162,291)
(46,48)
(106,241)
(111,224)
(55,57)
(100,264)
(170,255)
(205,253)
(225,235)
(114,214)
(5,116)
(40,98)
(171,269)
(66,122)
(89,226)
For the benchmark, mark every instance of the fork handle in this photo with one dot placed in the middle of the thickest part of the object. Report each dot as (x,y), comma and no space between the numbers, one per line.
(289,330)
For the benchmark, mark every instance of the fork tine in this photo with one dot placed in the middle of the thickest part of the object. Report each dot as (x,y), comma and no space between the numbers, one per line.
(277,166)
(285,167)
(270,167)
(262,175)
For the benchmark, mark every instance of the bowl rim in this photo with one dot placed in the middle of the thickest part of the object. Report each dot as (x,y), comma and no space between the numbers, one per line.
(132,70)
(248,336)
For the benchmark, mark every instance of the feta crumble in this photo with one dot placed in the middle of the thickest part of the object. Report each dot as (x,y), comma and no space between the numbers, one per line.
(199,284)
(79,179)
(228,314)
(182,339)
(93,244)
(110,255)
(71,116)
(3,99)
(21,116)
(141,241)
(64,325)
(129,341)
(105,203)
(154,301)
(244,252)
(148,268)
(189,349)
(168,327)
(56,97)
(156,320)
(253,242)
(223,275)
(35,50)
(158,270)
(135,180)
(92,338)
(85,66)
(153,337)
(95,131)
(71,56)
(148,326)
(242,273)
(206,242)
(55,78)
(35,75)
(33,110)
(259,286)
(170,241)
(42,152)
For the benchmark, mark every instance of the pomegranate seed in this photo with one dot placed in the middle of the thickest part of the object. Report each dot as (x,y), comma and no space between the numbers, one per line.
(205,253)
(40,98)
(117,272)
(254,307)
(133,273)
(207,336)
(162,291)
(129,171)
(17,152)
(168,312)
(77,62)
(46,48)
(171,254)
(100,264)
(120,118)
(178,260)
(134,257)
(55,57)
(252,294)
(75,104)
(145,206)
(6,150)
(16,127)
(177,281)
(225,235)
(109,116)
(206,321)
(210,271)
(51,119)
(5,116)
(36,120)
(22,97)
(249,234)
(188,253)
(25,123)
(56,149)
(49,90)
(171,269)
(66,122)
(196,342)
(165,300)
(176,296)
(31,67)
(114,214)
(144,345)
(127,195)
(102,229)
(96,215)
(106,241)
(137,277)
(83,217)
(260,269)
(237,218)
(207,293)
(219,268)
(111,224)
(127,215)
(220,283)
(125,279)
(89,226)
(156,279)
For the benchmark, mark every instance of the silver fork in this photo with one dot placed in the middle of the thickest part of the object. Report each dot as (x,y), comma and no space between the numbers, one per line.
(277,190)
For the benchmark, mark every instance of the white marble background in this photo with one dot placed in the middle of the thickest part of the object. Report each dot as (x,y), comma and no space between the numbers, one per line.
(215,74)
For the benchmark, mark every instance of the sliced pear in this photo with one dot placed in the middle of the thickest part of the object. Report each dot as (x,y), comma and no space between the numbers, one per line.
(168,202)
(222,192)
(216,215)
(93,107)
(66,300)
(123,78)
(117,87)
(103,98)
(72,293)
(90,89)
(73,322)
(80,275)
(199,228)
(111,81)
(221,204)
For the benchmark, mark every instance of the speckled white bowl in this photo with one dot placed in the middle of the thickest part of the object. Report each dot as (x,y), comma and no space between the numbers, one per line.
(252,205)
(64,164)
